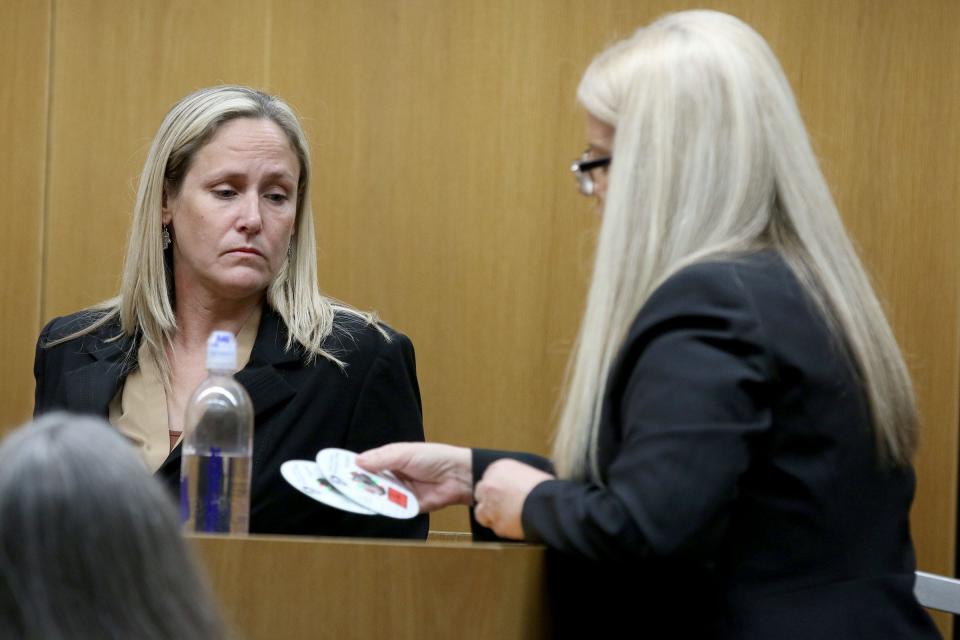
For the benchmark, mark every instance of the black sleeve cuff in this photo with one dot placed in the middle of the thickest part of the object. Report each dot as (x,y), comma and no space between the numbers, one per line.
(483,458)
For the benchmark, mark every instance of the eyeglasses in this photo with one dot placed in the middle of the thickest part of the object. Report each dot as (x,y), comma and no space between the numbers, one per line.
(582,169)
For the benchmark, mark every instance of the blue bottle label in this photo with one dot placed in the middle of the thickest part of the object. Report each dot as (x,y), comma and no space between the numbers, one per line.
(216,515)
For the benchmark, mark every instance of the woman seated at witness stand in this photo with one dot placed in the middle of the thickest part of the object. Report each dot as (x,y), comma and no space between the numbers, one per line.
(90,545)
(733,456)
(223,239)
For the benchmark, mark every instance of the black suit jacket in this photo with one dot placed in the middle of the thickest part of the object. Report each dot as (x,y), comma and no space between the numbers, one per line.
(299,409)
(742,496)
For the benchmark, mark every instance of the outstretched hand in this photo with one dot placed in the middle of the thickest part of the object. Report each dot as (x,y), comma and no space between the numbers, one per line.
(439,475)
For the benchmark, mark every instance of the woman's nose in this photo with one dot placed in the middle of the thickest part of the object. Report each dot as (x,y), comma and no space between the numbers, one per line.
(248,218)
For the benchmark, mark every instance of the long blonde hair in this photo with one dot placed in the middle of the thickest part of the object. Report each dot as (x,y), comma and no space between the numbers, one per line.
(711,158)
(145,304)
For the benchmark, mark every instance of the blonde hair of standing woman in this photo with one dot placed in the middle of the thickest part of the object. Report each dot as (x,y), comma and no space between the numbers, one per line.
(711,158)
(145,301)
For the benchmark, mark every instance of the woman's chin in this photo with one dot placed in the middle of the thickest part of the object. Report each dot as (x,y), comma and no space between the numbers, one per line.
(241,286)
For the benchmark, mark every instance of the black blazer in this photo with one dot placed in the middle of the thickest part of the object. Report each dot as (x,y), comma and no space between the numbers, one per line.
(299,409)
(742,494)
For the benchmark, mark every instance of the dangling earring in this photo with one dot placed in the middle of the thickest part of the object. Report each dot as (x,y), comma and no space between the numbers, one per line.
(165,237)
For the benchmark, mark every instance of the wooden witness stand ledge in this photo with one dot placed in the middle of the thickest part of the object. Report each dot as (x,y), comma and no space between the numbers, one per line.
(285,587)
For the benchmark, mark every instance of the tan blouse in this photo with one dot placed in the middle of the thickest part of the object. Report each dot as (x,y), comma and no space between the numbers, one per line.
(139,410)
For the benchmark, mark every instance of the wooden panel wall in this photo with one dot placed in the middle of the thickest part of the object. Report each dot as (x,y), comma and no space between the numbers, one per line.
(118,67)
(25,64)
(441,133)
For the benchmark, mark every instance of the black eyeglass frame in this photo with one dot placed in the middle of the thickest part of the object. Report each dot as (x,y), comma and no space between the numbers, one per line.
(581,169)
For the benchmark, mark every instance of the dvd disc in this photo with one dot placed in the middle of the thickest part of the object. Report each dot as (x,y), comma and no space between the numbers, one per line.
(377,492)
(305,476)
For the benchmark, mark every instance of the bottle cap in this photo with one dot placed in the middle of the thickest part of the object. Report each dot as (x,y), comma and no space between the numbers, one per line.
(221,351)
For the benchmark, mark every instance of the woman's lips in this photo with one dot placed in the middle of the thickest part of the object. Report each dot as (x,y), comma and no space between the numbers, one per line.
(247,250)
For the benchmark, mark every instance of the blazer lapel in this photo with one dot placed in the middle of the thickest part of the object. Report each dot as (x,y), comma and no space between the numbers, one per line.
(90,388)
(264,378)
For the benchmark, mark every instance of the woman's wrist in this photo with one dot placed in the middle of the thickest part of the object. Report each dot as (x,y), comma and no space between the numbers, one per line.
(462,460)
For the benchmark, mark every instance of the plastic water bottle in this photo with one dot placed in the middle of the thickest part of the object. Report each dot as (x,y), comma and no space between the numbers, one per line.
(217,444)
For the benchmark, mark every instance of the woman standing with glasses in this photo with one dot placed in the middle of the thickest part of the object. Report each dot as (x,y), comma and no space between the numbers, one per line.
(733,455)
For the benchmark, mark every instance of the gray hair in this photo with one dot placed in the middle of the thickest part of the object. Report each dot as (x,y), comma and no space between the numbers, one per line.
(90,545)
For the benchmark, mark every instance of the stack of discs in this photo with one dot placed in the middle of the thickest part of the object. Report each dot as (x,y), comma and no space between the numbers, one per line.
(336,480)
